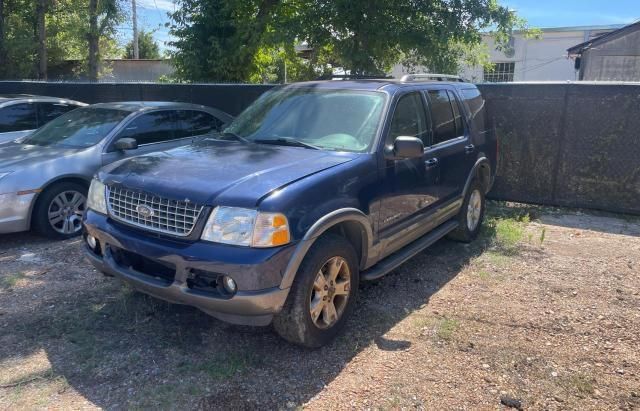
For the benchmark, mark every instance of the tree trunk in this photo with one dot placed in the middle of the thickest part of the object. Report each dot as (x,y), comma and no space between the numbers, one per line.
(41,10)
(93,38)
(3,53)
(136,49)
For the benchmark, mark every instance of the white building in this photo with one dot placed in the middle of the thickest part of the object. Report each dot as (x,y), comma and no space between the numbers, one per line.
(531,59)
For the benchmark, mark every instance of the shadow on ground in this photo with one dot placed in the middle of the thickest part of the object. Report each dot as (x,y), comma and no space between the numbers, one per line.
(118,348)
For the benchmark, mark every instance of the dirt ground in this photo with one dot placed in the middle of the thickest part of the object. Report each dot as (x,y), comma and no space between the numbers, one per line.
(542,312)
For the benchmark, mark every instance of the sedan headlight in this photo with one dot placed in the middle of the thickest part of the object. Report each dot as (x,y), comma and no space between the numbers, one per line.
(96,199)
(246,227)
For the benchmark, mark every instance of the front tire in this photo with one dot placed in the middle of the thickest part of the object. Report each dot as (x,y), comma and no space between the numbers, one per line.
(323,294)
(471,214)
(59,209)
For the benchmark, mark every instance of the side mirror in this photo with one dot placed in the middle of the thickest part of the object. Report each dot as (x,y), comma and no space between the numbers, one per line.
(406,147)
(126,143)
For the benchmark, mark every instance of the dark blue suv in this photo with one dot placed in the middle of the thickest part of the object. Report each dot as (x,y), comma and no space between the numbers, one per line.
(312,189)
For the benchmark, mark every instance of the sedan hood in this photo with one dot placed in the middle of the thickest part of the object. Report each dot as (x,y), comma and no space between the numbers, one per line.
(220,172)
(15,155)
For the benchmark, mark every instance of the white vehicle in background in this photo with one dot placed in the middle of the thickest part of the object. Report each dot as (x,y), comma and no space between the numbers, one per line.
(20,114)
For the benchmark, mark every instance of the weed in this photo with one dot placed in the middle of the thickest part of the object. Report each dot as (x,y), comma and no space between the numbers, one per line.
(222,367)
(579,384)
(542,235)
(446,328)
(11,280)
(509,233)
(484,275)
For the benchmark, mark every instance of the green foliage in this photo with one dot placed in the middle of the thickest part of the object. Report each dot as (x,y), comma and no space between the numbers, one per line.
(67,28)
(235,40)
(147,47)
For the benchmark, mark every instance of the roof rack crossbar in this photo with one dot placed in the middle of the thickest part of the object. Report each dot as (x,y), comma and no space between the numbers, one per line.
(431,77)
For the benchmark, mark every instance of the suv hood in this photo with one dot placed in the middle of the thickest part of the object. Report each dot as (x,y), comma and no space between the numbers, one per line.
(221,172)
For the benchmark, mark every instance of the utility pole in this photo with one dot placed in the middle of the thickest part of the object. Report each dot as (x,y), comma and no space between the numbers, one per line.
(136,50)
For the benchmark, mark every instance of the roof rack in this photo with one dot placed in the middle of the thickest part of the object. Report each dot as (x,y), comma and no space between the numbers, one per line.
(354,77)
(431,77)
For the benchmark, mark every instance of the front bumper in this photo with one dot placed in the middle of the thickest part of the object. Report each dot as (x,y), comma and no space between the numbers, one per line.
(257,272)
(15,211)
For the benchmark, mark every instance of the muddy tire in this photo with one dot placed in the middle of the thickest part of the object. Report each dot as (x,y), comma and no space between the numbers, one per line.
(323,294)
(471,214)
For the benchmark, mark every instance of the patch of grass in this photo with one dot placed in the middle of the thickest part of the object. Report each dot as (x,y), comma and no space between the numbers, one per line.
(579,384)
(509,233)
(484,275)
(11,280)
(221,366)
(446,328)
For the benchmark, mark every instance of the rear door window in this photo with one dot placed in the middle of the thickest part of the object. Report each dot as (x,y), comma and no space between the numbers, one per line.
(409,119)
(18,117)
(154,127)
(442,115)
(457,115)
(475,103)
(49,111)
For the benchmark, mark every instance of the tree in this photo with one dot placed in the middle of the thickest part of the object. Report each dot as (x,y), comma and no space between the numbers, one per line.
(370,36)
(148,48)
(227,39)
(219,39)
(41,10)
(103,17)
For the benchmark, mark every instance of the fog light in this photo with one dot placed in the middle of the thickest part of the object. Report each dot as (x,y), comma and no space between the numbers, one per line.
(229,284)
(91,240)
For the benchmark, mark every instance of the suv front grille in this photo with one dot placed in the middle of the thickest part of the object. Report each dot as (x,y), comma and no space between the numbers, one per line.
(152,212)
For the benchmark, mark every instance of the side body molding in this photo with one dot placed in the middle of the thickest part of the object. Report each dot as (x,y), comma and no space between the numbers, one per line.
(318,228)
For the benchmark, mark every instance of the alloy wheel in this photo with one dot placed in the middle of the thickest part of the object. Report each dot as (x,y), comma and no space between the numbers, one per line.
(330,293)
(474,210)
(65,212)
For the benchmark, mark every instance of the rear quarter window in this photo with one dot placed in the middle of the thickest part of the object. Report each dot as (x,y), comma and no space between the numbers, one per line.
(476,105)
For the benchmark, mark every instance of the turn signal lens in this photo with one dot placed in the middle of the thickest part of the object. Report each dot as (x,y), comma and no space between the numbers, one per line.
(271,230)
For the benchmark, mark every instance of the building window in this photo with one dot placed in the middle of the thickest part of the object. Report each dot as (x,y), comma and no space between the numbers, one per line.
(501,72)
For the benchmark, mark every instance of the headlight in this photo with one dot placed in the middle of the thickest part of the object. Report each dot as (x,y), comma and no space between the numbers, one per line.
(96,199)
(250,228)
(4,174)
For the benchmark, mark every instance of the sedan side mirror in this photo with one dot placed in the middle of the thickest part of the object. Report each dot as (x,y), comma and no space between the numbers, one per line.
(405,147)
(126,143)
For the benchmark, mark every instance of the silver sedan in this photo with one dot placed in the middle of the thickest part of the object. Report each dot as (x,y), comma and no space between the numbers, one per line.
(44,177)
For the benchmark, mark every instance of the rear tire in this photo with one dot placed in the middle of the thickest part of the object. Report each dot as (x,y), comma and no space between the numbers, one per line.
(58,211)
(471,214)
(307,318)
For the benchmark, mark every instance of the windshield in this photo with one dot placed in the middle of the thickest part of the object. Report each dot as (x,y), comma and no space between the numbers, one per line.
(82,127)
(344,120)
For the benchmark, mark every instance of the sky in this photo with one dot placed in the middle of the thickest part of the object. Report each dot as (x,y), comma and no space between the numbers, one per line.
(152,14)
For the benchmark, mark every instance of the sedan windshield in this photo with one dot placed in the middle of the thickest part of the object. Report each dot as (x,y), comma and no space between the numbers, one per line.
(344,120)
(83,127)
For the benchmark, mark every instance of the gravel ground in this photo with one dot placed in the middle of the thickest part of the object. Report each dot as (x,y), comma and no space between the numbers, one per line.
(542,312)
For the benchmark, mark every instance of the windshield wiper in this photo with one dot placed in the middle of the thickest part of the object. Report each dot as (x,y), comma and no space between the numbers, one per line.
(286,141)
(234,136)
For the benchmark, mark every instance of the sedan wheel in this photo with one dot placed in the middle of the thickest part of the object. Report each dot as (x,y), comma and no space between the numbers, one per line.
(65,212)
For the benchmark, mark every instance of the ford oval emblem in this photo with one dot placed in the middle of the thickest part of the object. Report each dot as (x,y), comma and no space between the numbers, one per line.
(145,211)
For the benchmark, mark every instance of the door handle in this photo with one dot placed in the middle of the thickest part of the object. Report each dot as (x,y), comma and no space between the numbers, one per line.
(432,162)
(469,149)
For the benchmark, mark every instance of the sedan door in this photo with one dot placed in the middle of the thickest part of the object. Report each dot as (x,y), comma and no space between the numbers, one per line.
(154,131)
